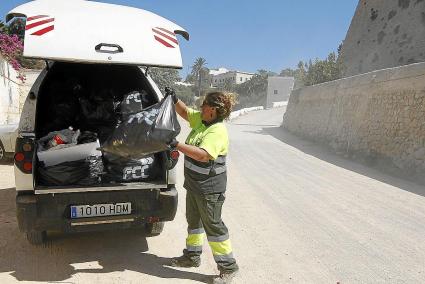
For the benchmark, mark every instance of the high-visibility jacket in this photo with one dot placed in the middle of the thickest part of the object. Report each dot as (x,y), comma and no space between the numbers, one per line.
(206,177)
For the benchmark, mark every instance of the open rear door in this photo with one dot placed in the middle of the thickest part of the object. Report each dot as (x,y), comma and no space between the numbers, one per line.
(87,31)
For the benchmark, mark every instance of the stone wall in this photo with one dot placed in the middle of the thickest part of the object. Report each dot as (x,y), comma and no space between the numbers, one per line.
(13,92)
(9,94)
(384,34)
(379,116)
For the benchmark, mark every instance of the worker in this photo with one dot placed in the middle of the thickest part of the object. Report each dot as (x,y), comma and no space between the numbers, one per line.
(205,176)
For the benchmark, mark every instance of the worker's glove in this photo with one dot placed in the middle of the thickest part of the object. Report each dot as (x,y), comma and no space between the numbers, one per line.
(170,92)
(173,143)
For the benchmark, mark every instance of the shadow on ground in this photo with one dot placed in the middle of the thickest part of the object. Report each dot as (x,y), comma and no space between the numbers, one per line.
(375,171)
(65,255)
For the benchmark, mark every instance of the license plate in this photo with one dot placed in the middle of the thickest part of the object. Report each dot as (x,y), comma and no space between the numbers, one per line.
(96,210)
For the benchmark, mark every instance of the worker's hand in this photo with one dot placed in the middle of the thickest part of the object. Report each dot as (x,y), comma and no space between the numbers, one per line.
(170,92)
(173,143)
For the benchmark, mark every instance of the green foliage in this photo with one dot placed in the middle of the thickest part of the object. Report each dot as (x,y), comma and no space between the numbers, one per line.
(185,93)
(316,72)
(17,27)
(228,85)
(164,77)
(3,27)
(253,92)
(199,76)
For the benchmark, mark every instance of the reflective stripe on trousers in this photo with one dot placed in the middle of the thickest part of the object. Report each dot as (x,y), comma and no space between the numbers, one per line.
(194,240)
(221,247)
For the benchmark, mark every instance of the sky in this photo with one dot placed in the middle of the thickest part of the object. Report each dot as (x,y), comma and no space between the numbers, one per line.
(249,35)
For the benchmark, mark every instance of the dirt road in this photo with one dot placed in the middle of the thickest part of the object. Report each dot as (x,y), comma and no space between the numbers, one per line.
(296,214)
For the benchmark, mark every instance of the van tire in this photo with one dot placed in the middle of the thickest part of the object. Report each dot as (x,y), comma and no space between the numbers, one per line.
(154,229)
(36,237)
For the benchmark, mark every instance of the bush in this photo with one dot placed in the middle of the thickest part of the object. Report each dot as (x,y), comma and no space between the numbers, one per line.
(11,48)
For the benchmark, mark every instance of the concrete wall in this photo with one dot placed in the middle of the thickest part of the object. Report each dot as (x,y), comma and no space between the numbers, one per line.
(13,92)
(383,34)
(379,116)
(9,94)
(278,89)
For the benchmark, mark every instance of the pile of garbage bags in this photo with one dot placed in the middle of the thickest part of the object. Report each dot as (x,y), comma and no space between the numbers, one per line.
(144,132)
(116,141)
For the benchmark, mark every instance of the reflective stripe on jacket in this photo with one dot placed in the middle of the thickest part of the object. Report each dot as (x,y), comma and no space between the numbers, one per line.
(205,177)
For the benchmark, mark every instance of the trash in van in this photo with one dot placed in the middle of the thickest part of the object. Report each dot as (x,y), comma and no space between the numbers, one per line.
(87,137)
(87,171)
(133,102)
(57,155)
(120,169)
(145,132)
(98,113)
(57,138)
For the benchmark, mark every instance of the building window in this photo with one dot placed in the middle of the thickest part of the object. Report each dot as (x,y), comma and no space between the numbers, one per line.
(275,92)
(241,79)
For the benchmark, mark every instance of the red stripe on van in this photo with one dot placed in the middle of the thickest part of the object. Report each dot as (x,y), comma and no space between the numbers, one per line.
(44,31)
(163,42)
(36,24)
(36,17)
(167,31)
(166,36)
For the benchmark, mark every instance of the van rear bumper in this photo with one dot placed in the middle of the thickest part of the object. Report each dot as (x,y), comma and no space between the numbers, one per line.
(51,212)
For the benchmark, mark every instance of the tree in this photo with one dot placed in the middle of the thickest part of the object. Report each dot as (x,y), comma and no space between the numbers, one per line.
(288,72)
(3,27)
(229,85)
(317,71)
(253,92)
(164,77)
(198,70)
(185,94)
(11,48)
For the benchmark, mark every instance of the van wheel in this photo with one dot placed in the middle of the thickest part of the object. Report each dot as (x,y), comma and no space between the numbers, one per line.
(36,237)
(154,229)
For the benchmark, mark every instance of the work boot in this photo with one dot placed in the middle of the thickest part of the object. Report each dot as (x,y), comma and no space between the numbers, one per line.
(185,261)
(225,277)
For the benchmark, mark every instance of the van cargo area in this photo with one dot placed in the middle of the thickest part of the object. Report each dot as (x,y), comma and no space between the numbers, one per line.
(87,98)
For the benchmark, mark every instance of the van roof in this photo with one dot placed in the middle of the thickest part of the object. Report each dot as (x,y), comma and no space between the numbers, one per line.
(88,31)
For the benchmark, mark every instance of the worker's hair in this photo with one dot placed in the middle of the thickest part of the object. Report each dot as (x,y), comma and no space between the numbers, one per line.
(223,102)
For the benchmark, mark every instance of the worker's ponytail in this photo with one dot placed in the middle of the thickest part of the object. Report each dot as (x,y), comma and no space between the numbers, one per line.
(223,102)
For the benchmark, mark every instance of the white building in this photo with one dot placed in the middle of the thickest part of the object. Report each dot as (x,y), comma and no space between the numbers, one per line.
(221,70)
(278,89)
(218,77)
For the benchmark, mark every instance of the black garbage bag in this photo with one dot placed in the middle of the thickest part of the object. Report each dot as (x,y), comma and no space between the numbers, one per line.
(62,115)
(98,113)
(119,169)
(52,139)
(87,137)
(82,172)
(132,103)
(145,132)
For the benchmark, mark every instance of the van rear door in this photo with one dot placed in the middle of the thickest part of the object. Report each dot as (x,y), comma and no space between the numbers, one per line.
(88,31)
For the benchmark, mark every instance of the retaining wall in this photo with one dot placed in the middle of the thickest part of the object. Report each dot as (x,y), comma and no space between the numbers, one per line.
(13,92)
(379,116)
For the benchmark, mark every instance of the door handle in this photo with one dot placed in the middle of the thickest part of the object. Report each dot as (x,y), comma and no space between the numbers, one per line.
(108,48)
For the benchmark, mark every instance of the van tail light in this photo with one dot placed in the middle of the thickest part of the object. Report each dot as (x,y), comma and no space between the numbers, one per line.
(24,153)
(152,219)
(28,166)
(19,157)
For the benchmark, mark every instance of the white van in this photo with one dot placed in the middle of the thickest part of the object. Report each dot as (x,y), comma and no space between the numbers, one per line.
(101,45)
